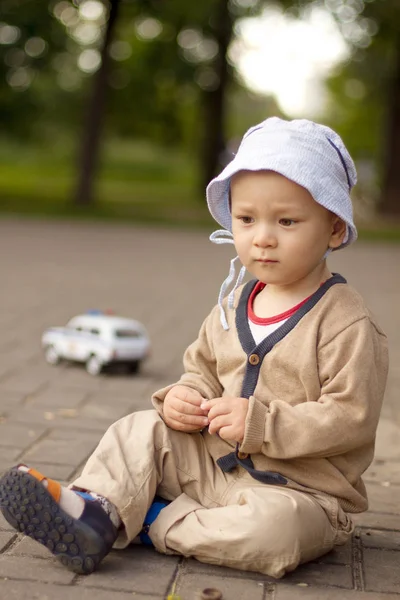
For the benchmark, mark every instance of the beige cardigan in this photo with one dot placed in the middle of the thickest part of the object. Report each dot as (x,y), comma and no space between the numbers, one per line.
(316,393)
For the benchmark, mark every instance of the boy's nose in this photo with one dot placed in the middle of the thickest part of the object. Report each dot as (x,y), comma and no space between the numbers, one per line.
(265,237)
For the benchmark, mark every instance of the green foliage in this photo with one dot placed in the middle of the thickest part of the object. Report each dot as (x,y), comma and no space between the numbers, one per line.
(361,89)
(157,78)
(31,38)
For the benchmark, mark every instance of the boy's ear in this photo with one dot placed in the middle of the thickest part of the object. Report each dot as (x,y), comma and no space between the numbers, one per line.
(338,232)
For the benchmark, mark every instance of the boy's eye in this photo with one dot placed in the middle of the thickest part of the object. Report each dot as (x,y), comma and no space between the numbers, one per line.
(287,222)
(246,220)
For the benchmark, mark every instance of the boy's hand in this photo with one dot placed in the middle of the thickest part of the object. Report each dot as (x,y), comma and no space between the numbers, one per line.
(182,409)
(227,417)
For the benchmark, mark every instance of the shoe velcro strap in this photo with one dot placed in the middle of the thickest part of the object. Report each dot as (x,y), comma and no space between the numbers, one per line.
(53,487)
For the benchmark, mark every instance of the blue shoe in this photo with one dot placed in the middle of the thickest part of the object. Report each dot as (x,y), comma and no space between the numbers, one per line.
(156,507)
(29,507)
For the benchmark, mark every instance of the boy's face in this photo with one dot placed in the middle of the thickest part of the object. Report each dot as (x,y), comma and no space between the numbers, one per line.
(280,232)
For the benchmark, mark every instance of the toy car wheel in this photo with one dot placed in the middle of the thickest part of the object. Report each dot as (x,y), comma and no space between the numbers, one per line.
(94,366)
(51,355)
(133,367)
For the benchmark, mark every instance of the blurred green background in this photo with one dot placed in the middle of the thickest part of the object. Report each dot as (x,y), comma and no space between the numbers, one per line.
(125,109)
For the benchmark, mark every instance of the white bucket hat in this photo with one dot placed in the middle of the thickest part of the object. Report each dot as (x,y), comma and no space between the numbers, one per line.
(311,155)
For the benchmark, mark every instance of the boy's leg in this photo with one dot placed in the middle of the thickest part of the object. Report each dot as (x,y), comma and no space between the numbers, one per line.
(137,457)
(267,529)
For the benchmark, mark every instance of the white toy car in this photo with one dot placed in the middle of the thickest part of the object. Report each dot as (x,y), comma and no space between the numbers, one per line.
(99,340)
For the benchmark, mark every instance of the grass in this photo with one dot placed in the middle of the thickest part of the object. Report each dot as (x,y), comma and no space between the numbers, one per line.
(137,182)
(379,232)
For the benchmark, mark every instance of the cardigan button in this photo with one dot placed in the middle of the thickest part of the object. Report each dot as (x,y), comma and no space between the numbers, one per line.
(254,359)
(243,455)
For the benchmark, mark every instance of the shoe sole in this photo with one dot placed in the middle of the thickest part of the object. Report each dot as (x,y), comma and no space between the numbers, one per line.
(29,508)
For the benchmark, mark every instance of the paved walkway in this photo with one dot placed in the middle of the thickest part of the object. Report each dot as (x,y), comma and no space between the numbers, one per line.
(53,417)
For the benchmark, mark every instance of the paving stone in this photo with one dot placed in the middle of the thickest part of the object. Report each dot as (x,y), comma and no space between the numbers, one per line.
(54,397)
(66,418)
(8,341)
(377,520)
(383,540)
(15,567)
(110,412)
(5,539)
(384,499)
(136,387)
(29,547)
(387,444)
(9,400)
(190,586)
(19,590)
(133,394)
(18,435)
(6,369)
(285,592)
(4,465)
(19,356)
(82,424)
(382,570)
(4,525)
(383,472)
(9,454)
(327,573)
(70,434)
(27,381)
(72,376)
(134,569)
(60,452)
(30,416)
(37,369)
(58,472)
(340,555)
(322,575)
(195,567)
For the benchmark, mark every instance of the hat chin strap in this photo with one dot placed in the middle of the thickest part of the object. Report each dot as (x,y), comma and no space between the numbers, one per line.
(222,236)
(327,253)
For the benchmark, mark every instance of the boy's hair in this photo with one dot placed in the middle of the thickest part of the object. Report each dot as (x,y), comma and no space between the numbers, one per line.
(311,155)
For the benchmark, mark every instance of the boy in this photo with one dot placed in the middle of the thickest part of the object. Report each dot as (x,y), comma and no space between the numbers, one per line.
(256,454)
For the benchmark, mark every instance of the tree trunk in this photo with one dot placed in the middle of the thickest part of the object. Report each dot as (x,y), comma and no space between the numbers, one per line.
(213,100)
(94,118)
(390,201)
